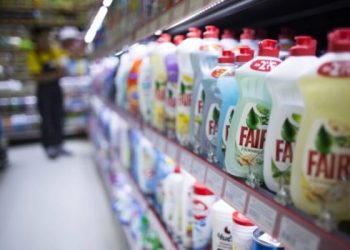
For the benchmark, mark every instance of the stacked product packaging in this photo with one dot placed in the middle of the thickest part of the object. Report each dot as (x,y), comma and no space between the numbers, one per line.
(267,111)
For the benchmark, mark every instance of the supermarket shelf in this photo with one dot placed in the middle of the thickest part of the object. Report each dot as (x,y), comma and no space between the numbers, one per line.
(290,226)
(154,220)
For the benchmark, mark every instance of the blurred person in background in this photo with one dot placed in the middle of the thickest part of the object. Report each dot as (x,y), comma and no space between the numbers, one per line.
(45,65)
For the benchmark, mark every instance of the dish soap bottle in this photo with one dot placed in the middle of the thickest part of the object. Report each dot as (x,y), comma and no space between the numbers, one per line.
(185,84)
(202,61)
(286,112)
(171,89)
(159,79)
(229,97)
(245,146)
(223,73)
(321,165)
(227,41)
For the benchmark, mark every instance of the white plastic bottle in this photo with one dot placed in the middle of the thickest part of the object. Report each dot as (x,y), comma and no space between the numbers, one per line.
(222,226)
(242,232)
(286,111)
(185,84)
(227,40)
(202,202)
(172,201)
(144,84)
(121,79)
(186,209)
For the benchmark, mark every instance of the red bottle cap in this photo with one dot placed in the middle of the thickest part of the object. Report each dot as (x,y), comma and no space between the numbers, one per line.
(248,33)
(200,189)
(240,219)
(245,54)
(227,34)
(286,33)
(339,40)
(226,57)
(178,39)
(165,37)
(305,46)
(268,47)
(177,170)
(194,32)
(211,31)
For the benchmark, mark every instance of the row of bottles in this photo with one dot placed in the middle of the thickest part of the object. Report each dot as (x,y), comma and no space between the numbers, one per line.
(282,123)
(193,215)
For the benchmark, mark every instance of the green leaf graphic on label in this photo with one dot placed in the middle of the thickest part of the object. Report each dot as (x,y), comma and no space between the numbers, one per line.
(231,116)
(342,141)
(216,114)
(170,94)
(323,141)
(203,96)
(182,89)
(157,85)
(263,110)
(289,131)
(296,117)
(252,119)
(276,173)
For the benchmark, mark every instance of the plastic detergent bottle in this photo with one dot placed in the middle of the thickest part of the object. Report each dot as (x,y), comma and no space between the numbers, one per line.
(144,84)
(171,89)
(229,92)
(321,164)
(121,79)
(245,146)
(248,39)
(224,72)
(286,112)
(145,166)
(227,41)
(132,96)
(285,42)
(172,201)
(202,61)
(242,232)
(202,202)
(159,79)
(222,226)
(186,209)
(185,84)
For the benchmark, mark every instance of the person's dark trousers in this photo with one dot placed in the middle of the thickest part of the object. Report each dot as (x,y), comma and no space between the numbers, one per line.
(50,105)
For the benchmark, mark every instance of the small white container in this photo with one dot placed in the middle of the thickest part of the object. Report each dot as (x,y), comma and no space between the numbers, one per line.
(222,226)
(242,232)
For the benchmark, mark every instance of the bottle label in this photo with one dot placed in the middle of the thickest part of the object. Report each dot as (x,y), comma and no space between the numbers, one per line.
(326,162)
(223,237)
(159,110)
(264,65)
(198,112)
(223,71)
(284,143)
(170,105)
(211,126)
(250,136)
(201,222)
(335,69)
(183,105)
(226,128)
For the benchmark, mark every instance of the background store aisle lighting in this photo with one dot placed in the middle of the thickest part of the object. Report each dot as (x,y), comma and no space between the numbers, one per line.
(97,22)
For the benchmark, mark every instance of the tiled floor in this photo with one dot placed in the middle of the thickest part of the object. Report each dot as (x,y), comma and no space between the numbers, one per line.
(55,205)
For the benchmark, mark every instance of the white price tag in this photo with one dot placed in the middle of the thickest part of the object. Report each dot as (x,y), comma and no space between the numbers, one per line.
(160,143)
(179,11)
(186,161)
(172,151)
(261,214)
(236,196)
(214,181)
(198,170)
(297,237)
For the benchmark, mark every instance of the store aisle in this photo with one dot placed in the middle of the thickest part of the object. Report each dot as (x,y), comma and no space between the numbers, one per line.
(56,205)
